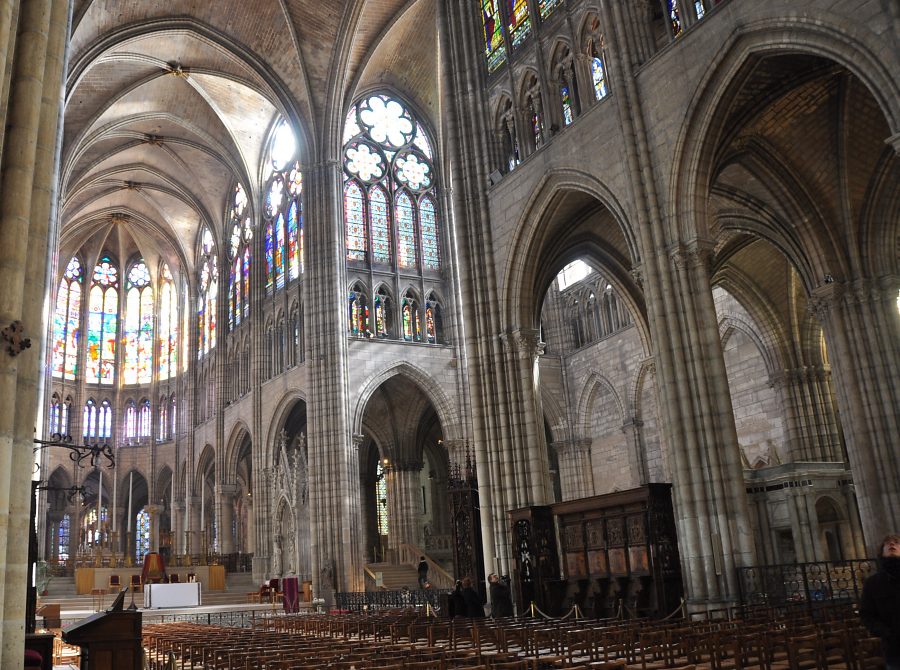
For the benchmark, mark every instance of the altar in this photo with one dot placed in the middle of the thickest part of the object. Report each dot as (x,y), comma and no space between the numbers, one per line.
(171,595)
(87,579)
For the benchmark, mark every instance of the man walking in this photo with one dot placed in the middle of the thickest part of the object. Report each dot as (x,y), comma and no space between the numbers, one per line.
(423,572)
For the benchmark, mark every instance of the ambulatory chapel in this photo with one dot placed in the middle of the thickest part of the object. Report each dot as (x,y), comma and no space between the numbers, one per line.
(564,290)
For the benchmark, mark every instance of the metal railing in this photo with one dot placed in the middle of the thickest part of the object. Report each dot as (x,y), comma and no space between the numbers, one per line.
(810,583)
(360,601)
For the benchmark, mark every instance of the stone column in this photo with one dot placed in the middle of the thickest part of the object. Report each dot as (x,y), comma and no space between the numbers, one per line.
(575,472)
(154,511)
(811,424)
(192,525)
(225,516)
(638,461)
(178,528)
(404,502)
(862,330)
(33,52)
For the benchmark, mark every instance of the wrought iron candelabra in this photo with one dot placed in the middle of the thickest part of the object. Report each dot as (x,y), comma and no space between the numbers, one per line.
(80,452)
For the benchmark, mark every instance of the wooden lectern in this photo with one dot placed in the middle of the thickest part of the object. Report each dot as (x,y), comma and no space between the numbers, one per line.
(109,640)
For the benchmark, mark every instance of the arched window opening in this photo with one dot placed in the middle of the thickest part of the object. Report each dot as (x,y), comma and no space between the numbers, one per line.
(383,313)
(142,537)
(55,411)
(208,299)
(412,328)
(130,420)
(389,188)
(239,256)
(66,322)
(283,211)
(62,538)
(381,500)
(89,421)
(434,321)
(673,12)
(103,311)
(163,424)
(144,420)
(138,326)
(359,312)
(172,423)
(104,420)
(92,529)
(66,417)
(168,326)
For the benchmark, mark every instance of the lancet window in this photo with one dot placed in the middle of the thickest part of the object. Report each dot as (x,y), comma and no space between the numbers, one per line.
(239,258)
(168,326)
(390,212)
(138,326)
(283,211)
(66,322)
(103,311)
(208,298)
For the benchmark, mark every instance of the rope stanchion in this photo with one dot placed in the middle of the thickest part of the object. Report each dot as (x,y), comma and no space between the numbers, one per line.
(681,608)
(619,613)
(534,608)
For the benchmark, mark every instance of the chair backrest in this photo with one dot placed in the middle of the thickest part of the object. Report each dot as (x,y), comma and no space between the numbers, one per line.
(274,583)
(136,580)
(173,578)
(114,580)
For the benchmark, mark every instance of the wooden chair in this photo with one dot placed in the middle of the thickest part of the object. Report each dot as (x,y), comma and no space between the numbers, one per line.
(115,584)
(174,578)
(137,583)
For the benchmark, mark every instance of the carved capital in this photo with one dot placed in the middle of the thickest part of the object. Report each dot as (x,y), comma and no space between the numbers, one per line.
(357,440)
(693,255)
(824,298)
(523,342)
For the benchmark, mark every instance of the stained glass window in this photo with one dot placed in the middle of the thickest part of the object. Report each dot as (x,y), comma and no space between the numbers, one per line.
(433,320)
(130,420)
(90,527)
(138,326)
(89,420)
(674,11)
(104,420)
(494,49)
(144,419)
(382,249)
(66,319)
(239,256)
(406,232)
(519,21)
(598,75)
(382,313)
(355,221)
(409,310)
(283,210)
(389,176)
(142,537)
(172,422)
(163,425)
(208,299)
(546,7)
(568,116)
(381,502)
(103,308)
(358,313)
(65,416)
(168,326)
(700,9)
(62,541)
(55,409)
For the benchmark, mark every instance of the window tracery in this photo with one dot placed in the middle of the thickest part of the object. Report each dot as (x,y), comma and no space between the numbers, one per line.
(66,322)
(103,311)
(283,211)
(239,258)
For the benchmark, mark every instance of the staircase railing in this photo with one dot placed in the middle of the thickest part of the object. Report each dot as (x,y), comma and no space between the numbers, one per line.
(437,576)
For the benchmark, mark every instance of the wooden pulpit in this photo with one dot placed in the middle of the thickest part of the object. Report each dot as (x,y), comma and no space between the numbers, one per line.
(109,640)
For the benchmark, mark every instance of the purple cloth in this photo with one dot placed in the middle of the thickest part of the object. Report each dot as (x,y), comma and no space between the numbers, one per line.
(290,587)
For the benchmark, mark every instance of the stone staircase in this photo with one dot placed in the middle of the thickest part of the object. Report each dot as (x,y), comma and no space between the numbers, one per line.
(396,576)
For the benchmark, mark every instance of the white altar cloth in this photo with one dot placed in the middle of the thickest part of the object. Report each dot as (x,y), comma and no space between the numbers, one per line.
(171,595)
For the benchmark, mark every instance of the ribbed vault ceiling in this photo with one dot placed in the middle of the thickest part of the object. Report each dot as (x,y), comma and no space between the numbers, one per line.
(167,103)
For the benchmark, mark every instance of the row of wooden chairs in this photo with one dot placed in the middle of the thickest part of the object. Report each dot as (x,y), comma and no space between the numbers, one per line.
(788,641)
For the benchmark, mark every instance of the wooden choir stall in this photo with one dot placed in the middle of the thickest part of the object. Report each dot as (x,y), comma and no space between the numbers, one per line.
(109,640)
(617,554)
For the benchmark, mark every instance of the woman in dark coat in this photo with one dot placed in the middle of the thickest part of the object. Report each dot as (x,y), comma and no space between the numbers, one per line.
(879,607)
(457,601)
(474,604)
(501,600)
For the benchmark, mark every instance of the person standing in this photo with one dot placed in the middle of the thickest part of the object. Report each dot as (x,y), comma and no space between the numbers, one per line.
(501,598)
(422,569)
(458,601)
(474,603)
(879,607)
